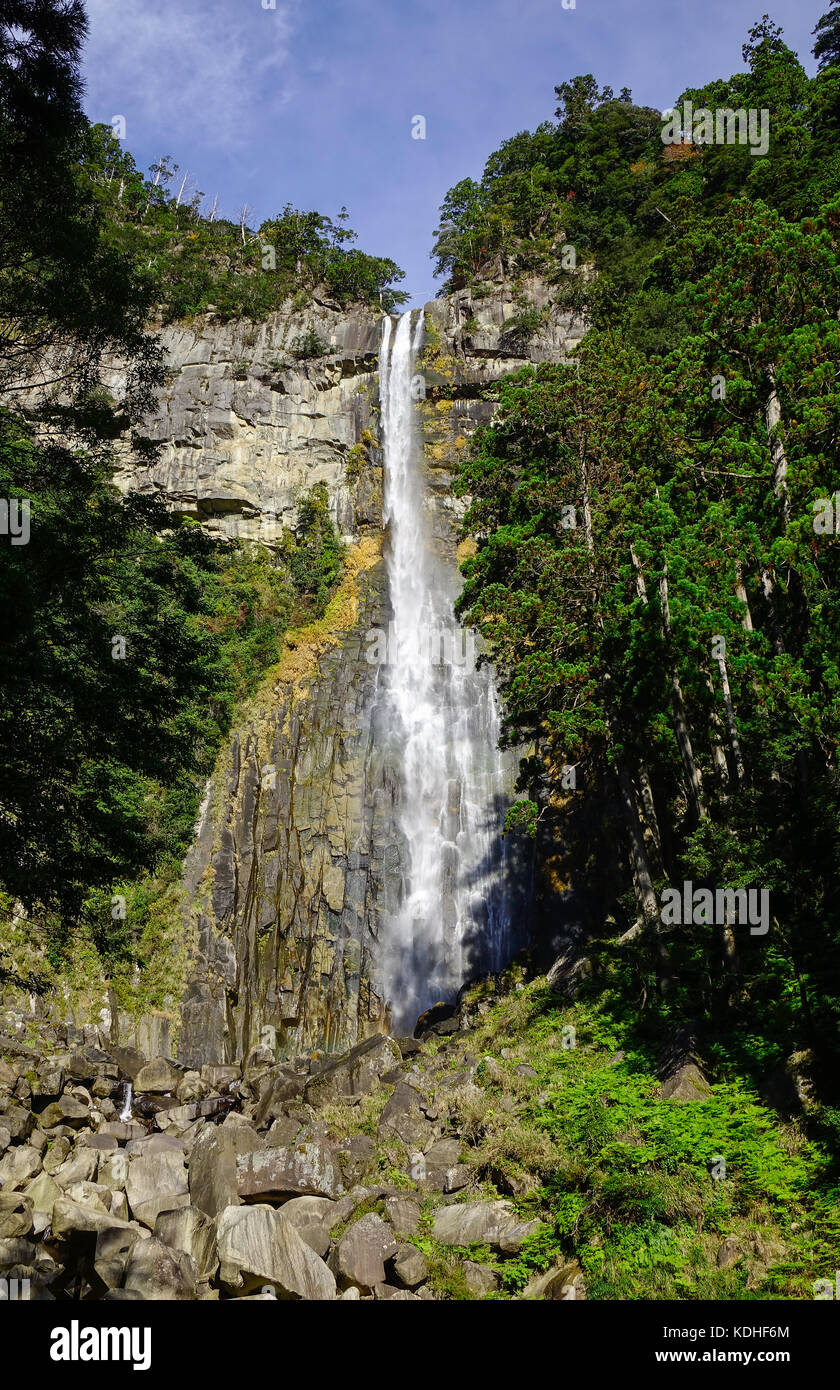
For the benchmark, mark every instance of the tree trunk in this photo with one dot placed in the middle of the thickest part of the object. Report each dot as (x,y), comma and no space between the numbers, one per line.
(692,771)
(734,741)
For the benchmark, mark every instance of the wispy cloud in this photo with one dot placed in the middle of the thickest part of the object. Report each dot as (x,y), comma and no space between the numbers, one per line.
(189,72)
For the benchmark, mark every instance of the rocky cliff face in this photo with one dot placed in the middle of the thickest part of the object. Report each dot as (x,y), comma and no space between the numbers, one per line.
(246,426)
(298,861)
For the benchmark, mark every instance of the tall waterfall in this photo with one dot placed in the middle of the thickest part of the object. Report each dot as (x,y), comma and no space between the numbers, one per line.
(454,920)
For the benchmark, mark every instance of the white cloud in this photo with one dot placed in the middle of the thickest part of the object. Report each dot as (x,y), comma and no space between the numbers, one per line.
(205,71)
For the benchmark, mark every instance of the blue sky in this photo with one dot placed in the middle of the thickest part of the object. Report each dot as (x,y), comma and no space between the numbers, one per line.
(312,102)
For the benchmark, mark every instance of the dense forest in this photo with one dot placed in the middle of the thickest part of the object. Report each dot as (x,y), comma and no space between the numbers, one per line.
(657,563)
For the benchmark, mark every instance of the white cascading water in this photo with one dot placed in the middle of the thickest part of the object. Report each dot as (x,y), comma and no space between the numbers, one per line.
(128,1096)
(455,916)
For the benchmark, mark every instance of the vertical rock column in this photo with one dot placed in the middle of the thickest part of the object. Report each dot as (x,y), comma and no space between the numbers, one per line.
(296,861)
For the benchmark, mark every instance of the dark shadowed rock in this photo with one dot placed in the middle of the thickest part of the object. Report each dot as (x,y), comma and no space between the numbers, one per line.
(433,1017)
(129,1061)
(568,973)
(353,1074)
(278,1088)
(112,1250)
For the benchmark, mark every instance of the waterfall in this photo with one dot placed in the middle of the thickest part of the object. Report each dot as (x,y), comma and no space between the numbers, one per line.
(128,1096)
(454,919)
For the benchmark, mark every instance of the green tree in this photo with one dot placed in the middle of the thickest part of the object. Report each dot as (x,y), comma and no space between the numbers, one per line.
(827,30)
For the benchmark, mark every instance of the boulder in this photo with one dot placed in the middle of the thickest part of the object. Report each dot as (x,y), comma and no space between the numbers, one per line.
(353,1074)
(480,1279)
(119,1205)
(81,1166)
(312,1218)
(443,1154)
(56,1154)
(43,1193)
(111,1253)
(360,1255)
(246,1140)
(191,1087)
(112,1170)
(310,1211)
(17,1166)
(474,1223)
(513,1240)
(72,1221)
(178,1118)
(90,1194)
(47,1084)
(17,1251)
(457,1178)
(357,1155)
(686,1084)
(122,1130)
(410,1266)
(298,1170)
(403,1214)
(157,1273)
(283,1131)
(258,1246)
(158,1077)
(105,1143)
(278,1088)
(213,1172)
(19,1121)
(156,1144)
(129,1061)
(404,1118)
(15,1215)
(67,1110)
(156,1183)
(219,1075)
(569,973)
(189,1230)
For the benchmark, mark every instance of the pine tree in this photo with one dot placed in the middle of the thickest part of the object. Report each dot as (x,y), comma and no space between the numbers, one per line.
(827,47)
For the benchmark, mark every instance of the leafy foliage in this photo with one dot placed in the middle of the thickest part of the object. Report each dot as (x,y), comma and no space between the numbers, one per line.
(191,261)
(648,574)
(105,755)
